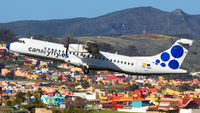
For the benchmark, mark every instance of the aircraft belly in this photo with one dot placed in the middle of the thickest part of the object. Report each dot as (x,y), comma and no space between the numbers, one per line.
(95,64)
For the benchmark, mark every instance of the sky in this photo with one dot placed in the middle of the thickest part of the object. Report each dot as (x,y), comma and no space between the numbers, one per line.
(16,10)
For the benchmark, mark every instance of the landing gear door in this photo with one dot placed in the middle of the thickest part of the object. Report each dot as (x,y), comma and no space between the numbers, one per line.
(138,67)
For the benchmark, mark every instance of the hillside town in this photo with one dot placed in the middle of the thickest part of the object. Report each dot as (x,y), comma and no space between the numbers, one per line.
(32,84)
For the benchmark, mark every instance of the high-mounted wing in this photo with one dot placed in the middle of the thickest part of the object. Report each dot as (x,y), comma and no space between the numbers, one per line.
(89,47)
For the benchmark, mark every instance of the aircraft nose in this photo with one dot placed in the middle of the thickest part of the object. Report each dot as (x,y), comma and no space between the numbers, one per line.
(8,46)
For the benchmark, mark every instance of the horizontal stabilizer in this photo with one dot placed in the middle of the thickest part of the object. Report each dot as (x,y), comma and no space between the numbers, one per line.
(181,71)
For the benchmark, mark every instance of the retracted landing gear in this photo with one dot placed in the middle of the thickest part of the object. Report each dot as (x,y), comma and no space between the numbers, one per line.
(15,58)
(85,70)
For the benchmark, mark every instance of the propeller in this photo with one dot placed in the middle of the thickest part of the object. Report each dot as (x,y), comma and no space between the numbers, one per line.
(66,44)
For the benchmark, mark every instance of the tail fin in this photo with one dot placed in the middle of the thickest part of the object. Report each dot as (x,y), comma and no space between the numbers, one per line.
(174,56)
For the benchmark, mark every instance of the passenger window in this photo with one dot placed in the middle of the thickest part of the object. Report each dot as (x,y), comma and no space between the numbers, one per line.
(99,58)
(114,60)
(132,64)
(124,62)
(128,63)
(110,60)
(17,41)
(20,41)
(118,61)
(103,58)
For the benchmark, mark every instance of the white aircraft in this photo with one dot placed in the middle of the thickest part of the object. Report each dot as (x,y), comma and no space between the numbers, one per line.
(88,57)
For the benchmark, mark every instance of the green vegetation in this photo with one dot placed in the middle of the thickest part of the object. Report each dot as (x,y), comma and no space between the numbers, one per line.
(20,98)
(186,87)
(85,84)
(109,111)
(74,110)
(10,75)
(7,36)
(117,88)
(10,110)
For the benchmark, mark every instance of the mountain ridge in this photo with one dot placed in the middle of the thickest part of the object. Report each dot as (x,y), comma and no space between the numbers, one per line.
(128,21)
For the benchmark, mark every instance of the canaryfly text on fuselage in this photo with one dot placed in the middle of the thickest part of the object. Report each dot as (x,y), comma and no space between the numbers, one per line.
(166,62)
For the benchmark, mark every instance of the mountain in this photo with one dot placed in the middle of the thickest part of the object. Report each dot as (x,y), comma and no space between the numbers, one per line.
(128,21)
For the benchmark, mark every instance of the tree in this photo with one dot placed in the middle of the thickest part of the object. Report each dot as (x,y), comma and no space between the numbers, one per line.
(30,107)
(37,96)
(80,102)
(9,103)
(20,63)
(5,98)
(161,89)
(43,77)
(20,97)
(7,35)
(185,87)
(39,91)
(60,78)
(85,84)
(133,87)
(28,95)
(2,63)
(36,100)
(73,110)
(10,75)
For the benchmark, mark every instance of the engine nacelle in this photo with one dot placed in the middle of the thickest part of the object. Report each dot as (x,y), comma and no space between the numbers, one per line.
(91,47)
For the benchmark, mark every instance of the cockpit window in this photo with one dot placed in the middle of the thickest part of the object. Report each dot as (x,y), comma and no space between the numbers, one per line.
(17,41)
(20,41)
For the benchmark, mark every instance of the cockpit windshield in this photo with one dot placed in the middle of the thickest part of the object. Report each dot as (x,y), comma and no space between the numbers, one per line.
(20,41)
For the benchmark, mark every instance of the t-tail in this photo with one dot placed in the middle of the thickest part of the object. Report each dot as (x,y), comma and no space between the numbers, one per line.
(170,60)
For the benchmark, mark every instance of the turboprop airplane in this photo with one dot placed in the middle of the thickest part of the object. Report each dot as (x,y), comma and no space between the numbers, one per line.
(88,57)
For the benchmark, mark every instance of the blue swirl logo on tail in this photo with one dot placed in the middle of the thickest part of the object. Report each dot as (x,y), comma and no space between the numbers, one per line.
(176,52)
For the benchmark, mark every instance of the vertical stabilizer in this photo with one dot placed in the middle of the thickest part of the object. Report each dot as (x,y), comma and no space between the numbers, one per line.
(173,57)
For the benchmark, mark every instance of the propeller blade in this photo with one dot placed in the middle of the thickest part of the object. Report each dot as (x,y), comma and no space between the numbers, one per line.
(66,45)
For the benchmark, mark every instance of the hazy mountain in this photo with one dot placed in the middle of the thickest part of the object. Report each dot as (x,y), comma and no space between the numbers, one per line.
(128,21)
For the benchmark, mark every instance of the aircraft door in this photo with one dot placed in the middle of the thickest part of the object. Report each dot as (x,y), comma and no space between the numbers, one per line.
(138,67)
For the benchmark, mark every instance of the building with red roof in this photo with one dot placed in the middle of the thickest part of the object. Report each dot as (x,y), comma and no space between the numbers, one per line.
(189,103)
(115,80)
